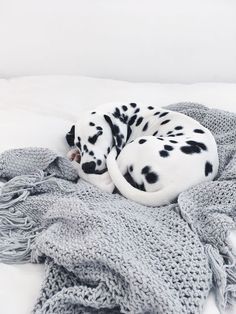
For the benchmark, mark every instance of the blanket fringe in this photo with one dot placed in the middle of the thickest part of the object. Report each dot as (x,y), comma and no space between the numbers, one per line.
(17,235)
(19,188)
(223,266)
(17,231)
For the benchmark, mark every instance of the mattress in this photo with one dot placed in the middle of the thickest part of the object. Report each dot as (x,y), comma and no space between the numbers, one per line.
(38,111)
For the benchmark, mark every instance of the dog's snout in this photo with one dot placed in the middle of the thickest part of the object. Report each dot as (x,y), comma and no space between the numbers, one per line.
(89,167)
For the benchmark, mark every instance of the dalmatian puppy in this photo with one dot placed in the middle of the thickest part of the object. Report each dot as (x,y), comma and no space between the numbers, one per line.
(149,154)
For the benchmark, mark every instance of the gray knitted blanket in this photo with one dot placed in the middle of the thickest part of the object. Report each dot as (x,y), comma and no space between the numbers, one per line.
(106,254)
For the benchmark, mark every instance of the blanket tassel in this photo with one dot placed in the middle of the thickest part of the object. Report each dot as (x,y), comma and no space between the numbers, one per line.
(17,231)
(17,234)
(223,266)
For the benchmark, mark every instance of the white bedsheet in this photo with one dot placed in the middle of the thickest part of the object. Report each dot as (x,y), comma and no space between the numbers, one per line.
(37,111)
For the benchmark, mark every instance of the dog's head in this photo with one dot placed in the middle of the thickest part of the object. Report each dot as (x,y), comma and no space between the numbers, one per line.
(93,136)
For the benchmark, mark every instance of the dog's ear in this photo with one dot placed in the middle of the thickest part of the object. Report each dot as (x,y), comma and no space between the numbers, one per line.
(119,139)
(70,136)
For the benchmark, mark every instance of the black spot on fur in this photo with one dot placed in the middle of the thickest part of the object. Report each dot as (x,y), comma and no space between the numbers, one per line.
(155,133)
(174,142)
(156,113)
(108,150)
(99,162)
(140,187)
(91,153)
(85,148)
(93,139)
(89,167)
(145,127)
(91,124)
(150,107)
(164,153)
(117,137)
(132,119)
(93,112)
(170,132)
(117,113)
(139,121)
(163,114)
(124,118)
(132,104)
(142,141)
(198,131)
(164,122)
(179,134)
(208,168)
(115,129)
(190,149)
(145,170)
(124,108)
(194,147)
(131,181)
(178,128)
(131,168)
(99,128)
(119,140)
(78,144)
(168,147)
(129,131)
(137,110)
(171,135)
(161,139)
(199,144)
(151,177)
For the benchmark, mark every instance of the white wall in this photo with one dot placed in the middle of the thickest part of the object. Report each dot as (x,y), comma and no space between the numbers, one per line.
(138,40)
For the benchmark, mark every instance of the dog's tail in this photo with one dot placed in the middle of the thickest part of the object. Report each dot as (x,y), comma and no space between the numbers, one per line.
(157,198)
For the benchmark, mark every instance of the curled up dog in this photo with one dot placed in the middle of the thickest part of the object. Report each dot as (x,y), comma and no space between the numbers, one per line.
(149,154)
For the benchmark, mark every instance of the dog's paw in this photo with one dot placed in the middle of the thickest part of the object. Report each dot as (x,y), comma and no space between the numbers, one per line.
(108,187)
(74,155)
(102,181)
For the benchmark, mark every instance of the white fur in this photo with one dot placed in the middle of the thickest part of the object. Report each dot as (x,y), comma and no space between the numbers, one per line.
(176,173)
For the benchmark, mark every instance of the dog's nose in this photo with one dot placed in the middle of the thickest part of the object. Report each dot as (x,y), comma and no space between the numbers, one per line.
(89,167)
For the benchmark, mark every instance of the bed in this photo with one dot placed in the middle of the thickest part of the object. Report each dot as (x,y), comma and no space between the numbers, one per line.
(39,110)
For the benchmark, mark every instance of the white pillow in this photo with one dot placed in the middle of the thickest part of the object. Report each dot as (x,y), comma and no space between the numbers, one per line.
(19,128)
